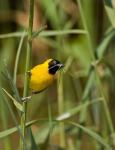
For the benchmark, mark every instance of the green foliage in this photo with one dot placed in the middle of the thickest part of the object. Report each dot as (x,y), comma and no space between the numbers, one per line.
(81,34)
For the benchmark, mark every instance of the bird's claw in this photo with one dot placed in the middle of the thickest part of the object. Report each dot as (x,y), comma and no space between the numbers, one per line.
(25,99)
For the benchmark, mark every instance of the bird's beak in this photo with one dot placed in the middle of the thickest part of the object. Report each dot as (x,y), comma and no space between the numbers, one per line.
(61,66)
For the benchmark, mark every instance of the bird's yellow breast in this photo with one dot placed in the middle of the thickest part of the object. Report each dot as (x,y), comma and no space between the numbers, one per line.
(40,77)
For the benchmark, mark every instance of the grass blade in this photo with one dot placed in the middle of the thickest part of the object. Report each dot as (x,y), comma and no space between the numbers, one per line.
(16,103)
(94,135)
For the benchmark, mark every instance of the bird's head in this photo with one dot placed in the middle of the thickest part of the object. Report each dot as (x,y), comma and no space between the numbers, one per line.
(54,65)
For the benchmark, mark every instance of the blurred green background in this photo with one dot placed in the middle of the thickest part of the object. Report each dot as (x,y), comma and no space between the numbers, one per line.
(81,34)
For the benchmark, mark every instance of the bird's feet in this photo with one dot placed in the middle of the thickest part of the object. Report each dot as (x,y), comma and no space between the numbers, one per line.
(25,99)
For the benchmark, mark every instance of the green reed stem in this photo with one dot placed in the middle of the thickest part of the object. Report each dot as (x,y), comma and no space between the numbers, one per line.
(18,56)
(107,113)
(27,77)
(61,110)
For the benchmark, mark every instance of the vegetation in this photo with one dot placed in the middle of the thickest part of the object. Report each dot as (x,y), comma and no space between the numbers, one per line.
(77,111)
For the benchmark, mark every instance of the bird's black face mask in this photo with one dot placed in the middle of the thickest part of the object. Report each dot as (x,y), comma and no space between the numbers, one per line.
(54,66)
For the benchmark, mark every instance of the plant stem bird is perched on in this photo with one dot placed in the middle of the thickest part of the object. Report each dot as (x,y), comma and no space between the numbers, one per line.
(44,74)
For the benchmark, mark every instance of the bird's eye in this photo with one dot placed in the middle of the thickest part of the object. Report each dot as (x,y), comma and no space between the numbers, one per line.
(53,66)
(54,62)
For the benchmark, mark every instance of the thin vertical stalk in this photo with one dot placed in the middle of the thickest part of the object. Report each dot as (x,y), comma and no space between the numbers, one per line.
(17,57)
(107,113)
(60,109)
(87,30)
(27,77)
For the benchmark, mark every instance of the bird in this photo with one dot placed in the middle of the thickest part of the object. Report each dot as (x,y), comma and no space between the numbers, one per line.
(43,75)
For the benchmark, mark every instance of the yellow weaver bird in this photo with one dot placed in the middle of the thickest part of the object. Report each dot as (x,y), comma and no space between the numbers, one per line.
(42,75)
